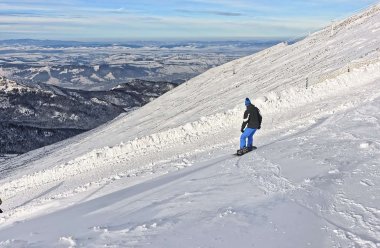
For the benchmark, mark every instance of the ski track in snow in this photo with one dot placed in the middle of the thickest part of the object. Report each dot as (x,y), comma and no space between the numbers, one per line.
(149,177)
(361,223)
(267,174)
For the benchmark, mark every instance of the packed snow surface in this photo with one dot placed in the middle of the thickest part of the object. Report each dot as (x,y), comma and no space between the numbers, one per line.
(165,175)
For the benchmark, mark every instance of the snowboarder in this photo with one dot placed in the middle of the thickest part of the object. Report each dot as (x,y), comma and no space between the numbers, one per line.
(252,122)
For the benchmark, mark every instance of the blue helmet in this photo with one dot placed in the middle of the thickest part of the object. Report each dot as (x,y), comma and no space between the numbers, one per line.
(247,102)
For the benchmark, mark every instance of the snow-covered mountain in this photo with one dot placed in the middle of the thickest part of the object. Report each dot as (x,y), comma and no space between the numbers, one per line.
(95,66)
(164,175)
(35,116)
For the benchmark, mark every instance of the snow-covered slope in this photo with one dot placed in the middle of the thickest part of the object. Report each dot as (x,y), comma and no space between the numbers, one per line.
(313,182)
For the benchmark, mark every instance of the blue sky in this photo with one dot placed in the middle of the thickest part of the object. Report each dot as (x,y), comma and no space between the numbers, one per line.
(119,20)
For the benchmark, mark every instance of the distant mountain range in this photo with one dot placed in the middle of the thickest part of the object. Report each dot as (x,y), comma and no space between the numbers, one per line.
(102,65)
(141,44)
(39,115)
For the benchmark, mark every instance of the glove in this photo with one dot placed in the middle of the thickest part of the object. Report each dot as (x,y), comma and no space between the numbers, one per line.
(242,130)
(259,127)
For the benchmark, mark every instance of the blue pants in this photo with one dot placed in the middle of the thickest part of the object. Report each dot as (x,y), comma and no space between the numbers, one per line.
(248,134)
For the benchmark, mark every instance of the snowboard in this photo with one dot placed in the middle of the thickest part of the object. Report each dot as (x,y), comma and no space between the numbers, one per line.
(237,154)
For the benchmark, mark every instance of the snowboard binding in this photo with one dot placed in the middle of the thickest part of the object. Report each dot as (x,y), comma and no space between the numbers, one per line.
(245,150)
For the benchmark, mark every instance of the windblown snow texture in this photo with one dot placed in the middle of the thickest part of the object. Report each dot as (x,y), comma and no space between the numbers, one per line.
(165,176)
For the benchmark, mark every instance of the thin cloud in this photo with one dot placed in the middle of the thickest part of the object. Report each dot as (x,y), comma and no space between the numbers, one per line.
(211,12)
(21,14)
(167,18)
(226,3)
(221,13)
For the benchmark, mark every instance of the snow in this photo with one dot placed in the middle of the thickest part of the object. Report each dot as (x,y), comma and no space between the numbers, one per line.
(53,80)
(76,71)
(96,100)
(65,71)
(25,111)
(95,77)
(109,76)
(83,80)
(8,86)
(4,73)
(64,116)
(164,175)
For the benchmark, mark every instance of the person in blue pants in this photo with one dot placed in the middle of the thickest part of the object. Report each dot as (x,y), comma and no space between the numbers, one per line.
(251,123)
(247,135)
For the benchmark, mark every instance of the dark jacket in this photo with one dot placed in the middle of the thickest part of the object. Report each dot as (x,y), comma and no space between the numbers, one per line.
(252,118)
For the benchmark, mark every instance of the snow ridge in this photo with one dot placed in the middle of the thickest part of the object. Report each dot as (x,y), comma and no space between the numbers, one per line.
(272,103)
